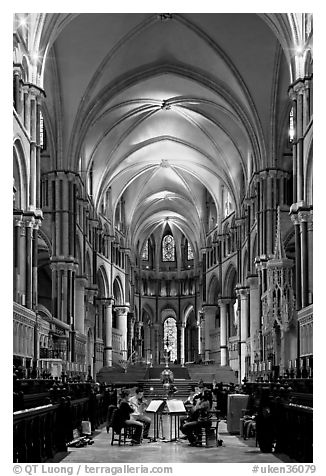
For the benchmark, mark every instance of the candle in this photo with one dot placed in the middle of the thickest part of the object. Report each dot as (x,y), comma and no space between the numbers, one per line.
(290,364)
(269,365)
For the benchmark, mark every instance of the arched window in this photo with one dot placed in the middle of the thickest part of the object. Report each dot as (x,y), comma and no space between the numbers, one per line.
(144,255)
(168,248)
(170,338)
(291,127)
(190,254)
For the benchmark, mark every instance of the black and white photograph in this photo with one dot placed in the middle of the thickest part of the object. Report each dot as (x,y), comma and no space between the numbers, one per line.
(162,241)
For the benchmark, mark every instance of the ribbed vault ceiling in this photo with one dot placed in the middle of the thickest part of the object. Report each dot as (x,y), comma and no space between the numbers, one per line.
(164,111)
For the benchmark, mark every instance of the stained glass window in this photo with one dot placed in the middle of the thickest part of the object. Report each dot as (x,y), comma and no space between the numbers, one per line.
(291,126)
(190,252)
(144,255)
(170,338)
(168,248)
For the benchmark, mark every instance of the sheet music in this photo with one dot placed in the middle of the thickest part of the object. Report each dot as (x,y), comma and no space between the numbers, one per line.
(175,406)
(155,406)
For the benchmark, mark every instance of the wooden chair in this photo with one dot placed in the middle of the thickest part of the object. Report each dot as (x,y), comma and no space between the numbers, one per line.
(120,433)
(209,433)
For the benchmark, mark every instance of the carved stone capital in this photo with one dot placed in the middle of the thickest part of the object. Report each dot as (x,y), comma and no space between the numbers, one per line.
(305,216)
(223,302)
(121,310)
(242,292)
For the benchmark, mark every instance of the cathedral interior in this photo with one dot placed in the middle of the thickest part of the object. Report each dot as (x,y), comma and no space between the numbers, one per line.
(162,193)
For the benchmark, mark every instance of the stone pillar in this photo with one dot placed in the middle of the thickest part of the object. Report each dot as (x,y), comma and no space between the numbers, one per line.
(223,330)
(254,312)
(269,215)
(122,313)
(17,256)
(107,303)
(17,93)
(310,257)
(242,293)
(147,342)
(27,109)
(209,315)
(304,217)
(152,343)
(182,344)
(130,332)
(35,263)
(200,324)
(298,297)
(80,283)
(29,223)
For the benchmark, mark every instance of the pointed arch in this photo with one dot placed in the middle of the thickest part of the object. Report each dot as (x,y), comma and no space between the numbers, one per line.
(118,291)
(20,175)
(214,290)
(103,282)
(230,281)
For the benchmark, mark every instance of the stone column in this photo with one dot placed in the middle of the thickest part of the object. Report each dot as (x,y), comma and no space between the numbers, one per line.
(17,97)
(17,256)
(29,223)
(304,216)
(242,293)
(35,263)
(152,343)
(130,332)
(310,257)
(147,341)
(182,344)
(80,283)
(298,297)
(122,313)
(107,303)
(209,314)
(200,324)
(254,312)
(269,215)
(223,330)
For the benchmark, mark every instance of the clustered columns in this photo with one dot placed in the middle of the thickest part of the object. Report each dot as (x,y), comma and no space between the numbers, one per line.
(301,213)
(107,306)
(200,325)
(25,246)
(209,312)
(271,192)
(80,285)
(182,343)
(302,104)
(223,302)
(122,319)
(137,337)
(130,332)
(302,220)
(242,294)
(35,96)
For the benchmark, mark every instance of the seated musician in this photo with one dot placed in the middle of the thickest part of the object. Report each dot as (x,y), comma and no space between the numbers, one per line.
(125,411)
(198,417)
(138,404)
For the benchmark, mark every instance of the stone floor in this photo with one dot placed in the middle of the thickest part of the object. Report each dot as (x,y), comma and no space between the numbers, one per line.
(233,450)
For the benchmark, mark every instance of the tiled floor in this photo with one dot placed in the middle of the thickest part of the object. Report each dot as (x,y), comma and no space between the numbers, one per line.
(234,450)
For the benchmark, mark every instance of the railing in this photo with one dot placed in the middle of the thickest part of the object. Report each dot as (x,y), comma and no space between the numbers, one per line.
(294,432)
(291,423)
(41,432)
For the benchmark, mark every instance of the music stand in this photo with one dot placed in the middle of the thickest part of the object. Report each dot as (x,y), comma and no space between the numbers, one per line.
(156,407)
(175,408)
